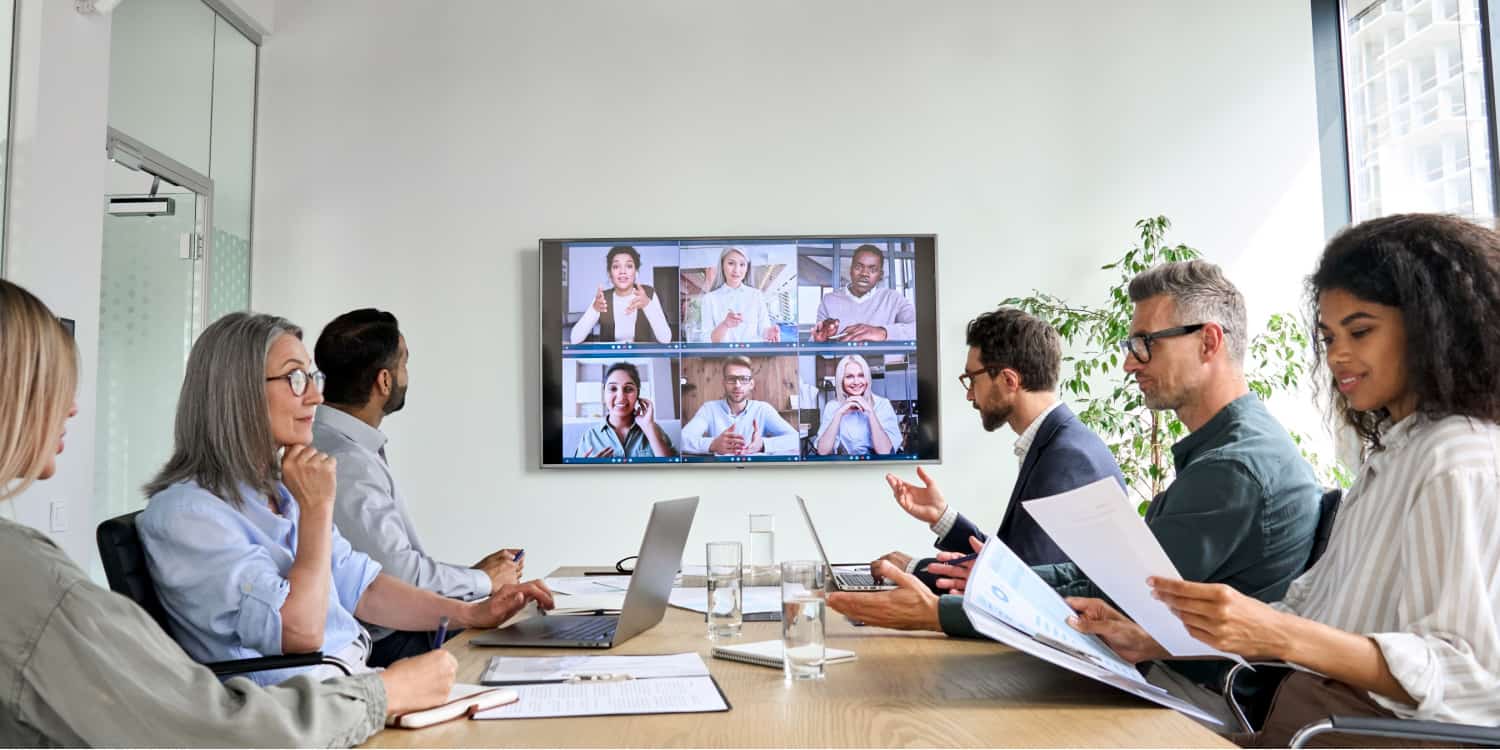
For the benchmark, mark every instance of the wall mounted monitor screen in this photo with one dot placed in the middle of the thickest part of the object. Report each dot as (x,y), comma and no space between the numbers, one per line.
(739,350)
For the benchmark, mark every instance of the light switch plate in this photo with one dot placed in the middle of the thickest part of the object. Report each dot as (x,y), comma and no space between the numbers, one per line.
(58,518)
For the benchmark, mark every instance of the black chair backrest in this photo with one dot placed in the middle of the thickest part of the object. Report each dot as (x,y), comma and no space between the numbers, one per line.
(124,560)
(1328,509)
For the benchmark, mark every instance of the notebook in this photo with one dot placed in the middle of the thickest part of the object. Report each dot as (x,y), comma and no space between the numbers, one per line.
(769,654)
(463,701)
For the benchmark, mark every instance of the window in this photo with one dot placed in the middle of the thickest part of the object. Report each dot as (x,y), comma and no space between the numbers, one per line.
(1412,81)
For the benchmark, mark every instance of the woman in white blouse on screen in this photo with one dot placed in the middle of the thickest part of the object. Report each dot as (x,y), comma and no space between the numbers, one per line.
(734,311)
(858,422)
(1399,616)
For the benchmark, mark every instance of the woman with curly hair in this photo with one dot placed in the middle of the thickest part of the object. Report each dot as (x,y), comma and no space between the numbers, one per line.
(1400,617)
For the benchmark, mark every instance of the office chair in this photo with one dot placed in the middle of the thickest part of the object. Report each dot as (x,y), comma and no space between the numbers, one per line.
(124,560)
(1410,729)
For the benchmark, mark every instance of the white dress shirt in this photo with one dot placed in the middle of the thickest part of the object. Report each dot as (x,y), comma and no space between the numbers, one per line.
(746,300)
(371,513)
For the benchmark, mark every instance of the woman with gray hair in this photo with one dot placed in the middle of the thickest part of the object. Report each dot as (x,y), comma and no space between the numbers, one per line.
(239,530)
(83,666)
(859,421)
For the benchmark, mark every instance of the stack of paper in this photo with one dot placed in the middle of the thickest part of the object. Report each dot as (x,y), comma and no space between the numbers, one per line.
(754,599)
(550,686)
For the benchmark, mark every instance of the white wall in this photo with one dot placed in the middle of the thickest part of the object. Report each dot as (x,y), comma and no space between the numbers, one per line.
(56,226)
(411,154)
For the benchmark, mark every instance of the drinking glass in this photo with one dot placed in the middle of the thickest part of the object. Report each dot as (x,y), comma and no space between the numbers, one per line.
(802,617)
(762,560)
(725,613)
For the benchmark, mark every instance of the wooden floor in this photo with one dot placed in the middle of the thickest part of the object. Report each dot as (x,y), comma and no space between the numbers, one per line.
(905,690)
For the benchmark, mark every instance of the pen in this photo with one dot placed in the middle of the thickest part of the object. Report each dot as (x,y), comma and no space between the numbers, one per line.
(520,553)
(598,678)
(958,560)
(441,635)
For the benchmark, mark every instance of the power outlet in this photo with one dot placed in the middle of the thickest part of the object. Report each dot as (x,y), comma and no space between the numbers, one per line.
(58,517)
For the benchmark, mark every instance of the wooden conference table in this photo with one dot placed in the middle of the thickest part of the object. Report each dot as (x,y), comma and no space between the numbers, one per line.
(905,689)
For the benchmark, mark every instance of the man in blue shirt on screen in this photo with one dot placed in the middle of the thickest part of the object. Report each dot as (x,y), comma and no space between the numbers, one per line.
(738,425)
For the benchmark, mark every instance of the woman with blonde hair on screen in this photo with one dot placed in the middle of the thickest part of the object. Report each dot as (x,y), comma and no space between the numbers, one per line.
(850,420)
(82,666)
(735,311)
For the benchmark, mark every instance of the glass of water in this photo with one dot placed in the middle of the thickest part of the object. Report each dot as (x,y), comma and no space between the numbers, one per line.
(724,605)
(762,560)
(802,615)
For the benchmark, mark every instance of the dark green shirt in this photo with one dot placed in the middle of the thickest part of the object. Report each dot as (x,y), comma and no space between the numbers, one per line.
(1241,511)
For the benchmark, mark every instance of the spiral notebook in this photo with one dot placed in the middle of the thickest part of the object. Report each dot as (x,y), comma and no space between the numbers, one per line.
(769,654)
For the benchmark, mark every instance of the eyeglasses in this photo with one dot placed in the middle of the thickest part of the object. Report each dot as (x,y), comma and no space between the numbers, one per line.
(967,379)
(1139,345)
(298,380)
(739,379)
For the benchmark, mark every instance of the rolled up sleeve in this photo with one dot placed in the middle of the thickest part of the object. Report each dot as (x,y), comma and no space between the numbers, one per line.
(214,581)
(353,571)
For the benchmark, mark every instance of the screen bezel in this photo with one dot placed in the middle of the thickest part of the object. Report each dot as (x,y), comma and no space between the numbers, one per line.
(552,303)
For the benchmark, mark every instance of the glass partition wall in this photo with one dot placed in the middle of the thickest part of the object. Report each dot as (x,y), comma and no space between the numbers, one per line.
(177,246)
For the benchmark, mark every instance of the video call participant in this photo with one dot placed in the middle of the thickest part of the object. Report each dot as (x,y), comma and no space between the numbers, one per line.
(734,311)
(363,356)
(617,311)
(240,541)
(863,311)
(630,429)
(1399,617)
(858,422)
(1244,504)
(81,666)
(738,425)
(1011,379)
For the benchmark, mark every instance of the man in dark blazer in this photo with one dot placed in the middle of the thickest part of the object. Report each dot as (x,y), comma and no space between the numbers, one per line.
(1011,379)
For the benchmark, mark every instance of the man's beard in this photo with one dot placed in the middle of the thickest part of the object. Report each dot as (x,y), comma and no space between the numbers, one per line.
(994,419)
(396,401)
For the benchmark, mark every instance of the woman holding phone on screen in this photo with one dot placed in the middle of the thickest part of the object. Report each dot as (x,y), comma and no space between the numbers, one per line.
(628,311)
(735,312)
(849,421)
(630,429)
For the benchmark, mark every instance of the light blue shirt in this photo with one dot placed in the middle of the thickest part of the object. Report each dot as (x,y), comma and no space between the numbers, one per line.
(746,300)
(714,417)
(372,514)
(636,445)
(221,573)
(854,430)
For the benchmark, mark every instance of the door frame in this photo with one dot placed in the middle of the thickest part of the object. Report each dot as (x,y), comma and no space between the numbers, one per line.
(135,154)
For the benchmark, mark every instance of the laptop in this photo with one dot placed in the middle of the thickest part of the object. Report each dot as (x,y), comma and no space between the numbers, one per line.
(645,599)
(842,580)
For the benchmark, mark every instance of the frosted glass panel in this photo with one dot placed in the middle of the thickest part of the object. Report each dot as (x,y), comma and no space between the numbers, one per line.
(161,76)
(146,316)
(233,155)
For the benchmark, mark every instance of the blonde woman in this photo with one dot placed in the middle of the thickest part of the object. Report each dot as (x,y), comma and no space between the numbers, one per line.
(850,421)
(735,311)
(82,666)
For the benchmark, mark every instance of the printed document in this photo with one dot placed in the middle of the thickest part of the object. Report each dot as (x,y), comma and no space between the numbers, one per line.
(1096,526)
(1007,601)
(753,599)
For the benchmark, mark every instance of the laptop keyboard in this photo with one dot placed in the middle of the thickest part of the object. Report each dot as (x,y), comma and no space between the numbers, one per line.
(857,579)
(587,630)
